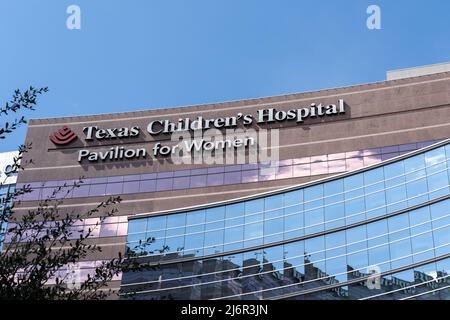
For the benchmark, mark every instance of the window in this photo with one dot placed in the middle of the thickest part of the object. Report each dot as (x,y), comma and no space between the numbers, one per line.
(398,227)
(215,218)
(233,238)
(176,224)
(254,210)
(234,214)
(137,226)
(156,223)
(377,233)
(400,251)
(314,210)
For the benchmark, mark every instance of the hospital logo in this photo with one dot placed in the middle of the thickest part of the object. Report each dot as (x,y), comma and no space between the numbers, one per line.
(63,136)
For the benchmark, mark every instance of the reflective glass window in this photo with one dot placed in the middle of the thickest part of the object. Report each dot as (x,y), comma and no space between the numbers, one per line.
(234,214)
(440,213)
(233,238)
(435,160)
(176,224)
(314,209)
(254,210)
(416,191)
(334,204)
(438,184)
(398,227)
(400,253)
(137,225)
(193,244)
(293,214)
(156,223)
(377,233)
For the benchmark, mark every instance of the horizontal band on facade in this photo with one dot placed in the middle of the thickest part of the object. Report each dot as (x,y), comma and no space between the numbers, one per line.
(216,176)
(166,139)
(296,239)
(279,147)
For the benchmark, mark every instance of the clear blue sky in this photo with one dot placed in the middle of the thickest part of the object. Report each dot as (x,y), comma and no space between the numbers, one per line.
(143,54)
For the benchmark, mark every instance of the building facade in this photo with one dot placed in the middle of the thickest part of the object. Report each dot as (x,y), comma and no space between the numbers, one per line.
(334,194)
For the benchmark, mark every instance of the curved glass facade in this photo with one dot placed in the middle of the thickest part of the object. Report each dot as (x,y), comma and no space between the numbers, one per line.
(377,233)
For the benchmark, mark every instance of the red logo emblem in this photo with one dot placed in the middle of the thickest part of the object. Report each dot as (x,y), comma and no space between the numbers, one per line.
(63,136)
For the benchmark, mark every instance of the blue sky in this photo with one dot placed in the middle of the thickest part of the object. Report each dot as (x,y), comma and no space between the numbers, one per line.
(144,54)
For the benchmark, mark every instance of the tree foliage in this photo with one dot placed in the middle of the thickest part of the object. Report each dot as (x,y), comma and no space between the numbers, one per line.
(19,102)
(43,245)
